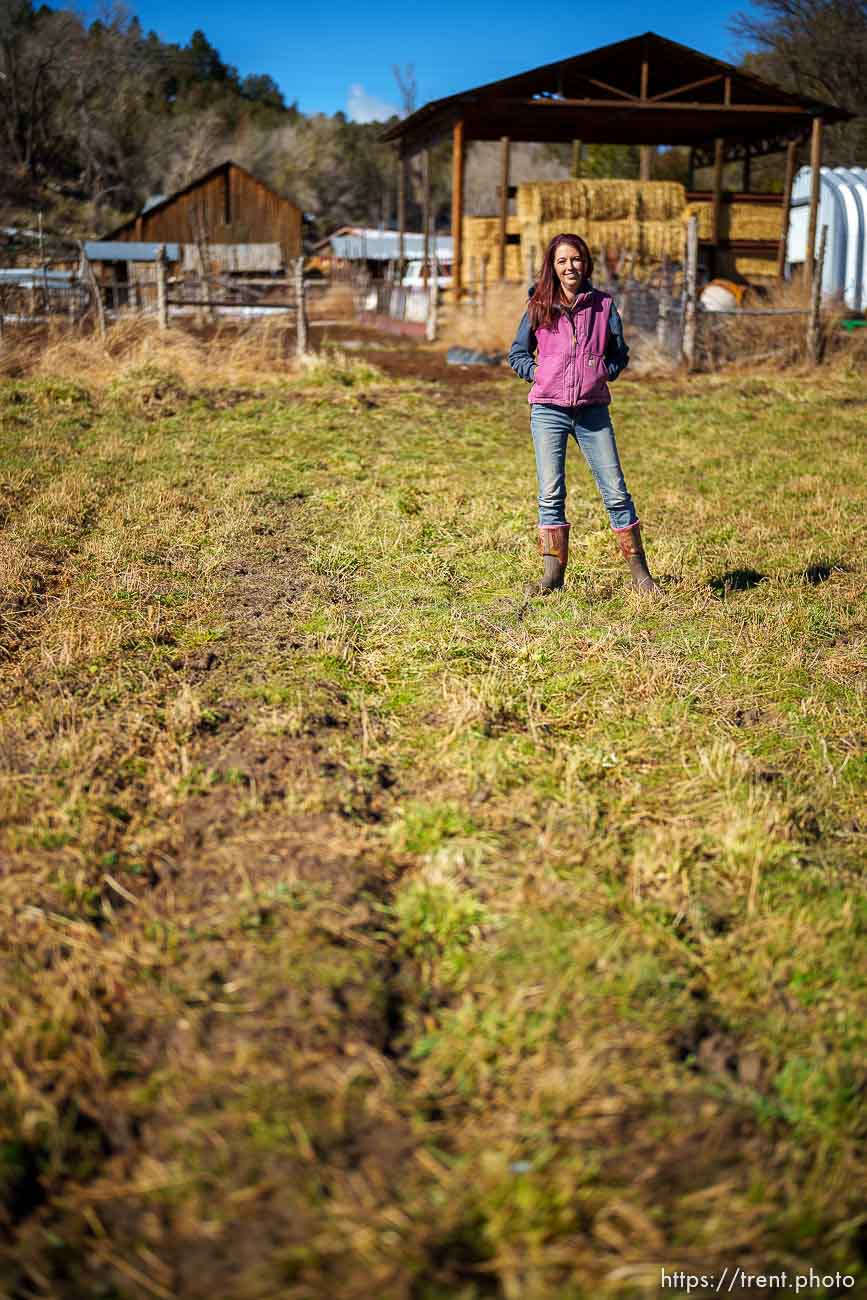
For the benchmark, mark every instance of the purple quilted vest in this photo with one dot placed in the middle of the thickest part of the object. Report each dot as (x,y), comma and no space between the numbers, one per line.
(570,366)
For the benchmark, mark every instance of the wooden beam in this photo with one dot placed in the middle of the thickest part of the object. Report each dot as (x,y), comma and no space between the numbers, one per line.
(663,106)
(603,85)
(426,214)
(681,90)
(505,150)
(401,215)
(791,162)
(645,155)
(458,165)
(716,201)
(577,151)
(815,186)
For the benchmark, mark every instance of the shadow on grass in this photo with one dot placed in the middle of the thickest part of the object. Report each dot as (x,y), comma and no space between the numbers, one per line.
(814,574)
(736,580)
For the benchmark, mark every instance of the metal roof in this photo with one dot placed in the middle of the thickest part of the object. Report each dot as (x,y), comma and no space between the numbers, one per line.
(644,90)
(384,245)
(36,277)
(121,250)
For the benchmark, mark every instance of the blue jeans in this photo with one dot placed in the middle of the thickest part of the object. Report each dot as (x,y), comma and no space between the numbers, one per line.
(591,428)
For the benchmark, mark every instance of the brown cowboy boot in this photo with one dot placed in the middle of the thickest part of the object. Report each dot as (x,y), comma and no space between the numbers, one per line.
(554,549)
(632,550)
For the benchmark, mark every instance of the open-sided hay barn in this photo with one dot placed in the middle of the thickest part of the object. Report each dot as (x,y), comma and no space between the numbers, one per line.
(228,205)
(647,91)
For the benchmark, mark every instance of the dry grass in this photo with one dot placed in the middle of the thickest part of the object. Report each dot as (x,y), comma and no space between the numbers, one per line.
(262,350)
(365,930)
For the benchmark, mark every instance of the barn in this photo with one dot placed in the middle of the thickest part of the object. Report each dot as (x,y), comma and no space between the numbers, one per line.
(244,224)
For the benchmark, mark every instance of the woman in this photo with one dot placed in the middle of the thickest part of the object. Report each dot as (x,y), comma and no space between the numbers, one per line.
(579,338)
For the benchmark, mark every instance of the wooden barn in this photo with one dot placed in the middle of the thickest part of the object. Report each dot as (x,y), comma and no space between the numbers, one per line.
(243,222)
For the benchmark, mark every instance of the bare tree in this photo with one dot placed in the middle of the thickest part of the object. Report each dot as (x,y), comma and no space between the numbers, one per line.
(407,84)
(818,48)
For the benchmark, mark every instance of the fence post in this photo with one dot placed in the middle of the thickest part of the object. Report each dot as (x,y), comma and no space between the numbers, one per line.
(86,267)
(691,287)
(300,309)
(430,329)
(162,296)
(814,319)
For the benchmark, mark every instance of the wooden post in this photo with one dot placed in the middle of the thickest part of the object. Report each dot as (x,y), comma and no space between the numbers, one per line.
(791,162)
(690,307)
(577,151)
(690,170)
(747,171)
(430,329)
(300,309)
(95,291)
(645,153)
(162,302)
(531,264)
(401,216)
(458,165)
(471,276)
(814,319)
(505,158)
(716,211)
(664,292)
(425,266)
(815,187)
(483,282)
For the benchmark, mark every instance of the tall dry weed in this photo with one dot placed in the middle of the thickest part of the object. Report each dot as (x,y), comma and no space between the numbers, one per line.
(226,354)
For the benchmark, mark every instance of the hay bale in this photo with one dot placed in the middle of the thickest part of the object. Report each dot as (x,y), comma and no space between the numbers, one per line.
(640,217)
(482,240)
(543,202)
(738,220)
(748,266)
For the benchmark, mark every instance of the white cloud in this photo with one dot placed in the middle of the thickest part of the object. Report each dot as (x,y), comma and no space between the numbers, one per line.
(361,107)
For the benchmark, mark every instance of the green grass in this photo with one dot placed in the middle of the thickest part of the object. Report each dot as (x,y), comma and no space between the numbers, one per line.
(366,930)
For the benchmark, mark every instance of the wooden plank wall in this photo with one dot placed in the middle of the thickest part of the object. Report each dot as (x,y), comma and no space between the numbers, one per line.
(256,215)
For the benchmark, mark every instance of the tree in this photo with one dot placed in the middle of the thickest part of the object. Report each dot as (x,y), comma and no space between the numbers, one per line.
(816,48)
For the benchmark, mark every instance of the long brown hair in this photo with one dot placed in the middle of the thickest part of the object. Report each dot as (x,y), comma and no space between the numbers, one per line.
(547,294)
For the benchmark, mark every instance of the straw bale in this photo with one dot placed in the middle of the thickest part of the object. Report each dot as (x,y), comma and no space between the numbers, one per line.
(738,220)
(543,202)
(748,266)
(640,217)
(482,239)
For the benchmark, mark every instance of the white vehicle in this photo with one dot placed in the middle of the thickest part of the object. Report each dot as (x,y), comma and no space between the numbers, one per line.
(413,279)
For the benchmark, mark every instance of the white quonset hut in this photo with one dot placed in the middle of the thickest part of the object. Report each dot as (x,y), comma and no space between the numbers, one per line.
(843,209)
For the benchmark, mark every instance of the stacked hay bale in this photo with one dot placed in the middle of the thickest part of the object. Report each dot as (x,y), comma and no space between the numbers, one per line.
(638,217)
(743,220)
(482,240)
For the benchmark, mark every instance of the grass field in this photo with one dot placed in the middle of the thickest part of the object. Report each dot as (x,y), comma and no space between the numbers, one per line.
(367,932)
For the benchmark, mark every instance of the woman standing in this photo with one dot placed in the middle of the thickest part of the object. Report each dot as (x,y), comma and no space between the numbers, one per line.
(578,335)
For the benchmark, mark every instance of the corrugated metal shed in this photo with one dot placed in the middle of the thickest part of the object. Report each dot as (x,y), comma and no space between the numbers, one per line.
(843,209)
(383,246)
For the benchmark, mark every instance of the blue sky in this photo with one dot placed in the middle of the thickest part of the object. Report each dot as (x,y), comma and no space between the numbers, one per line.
(341,56)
